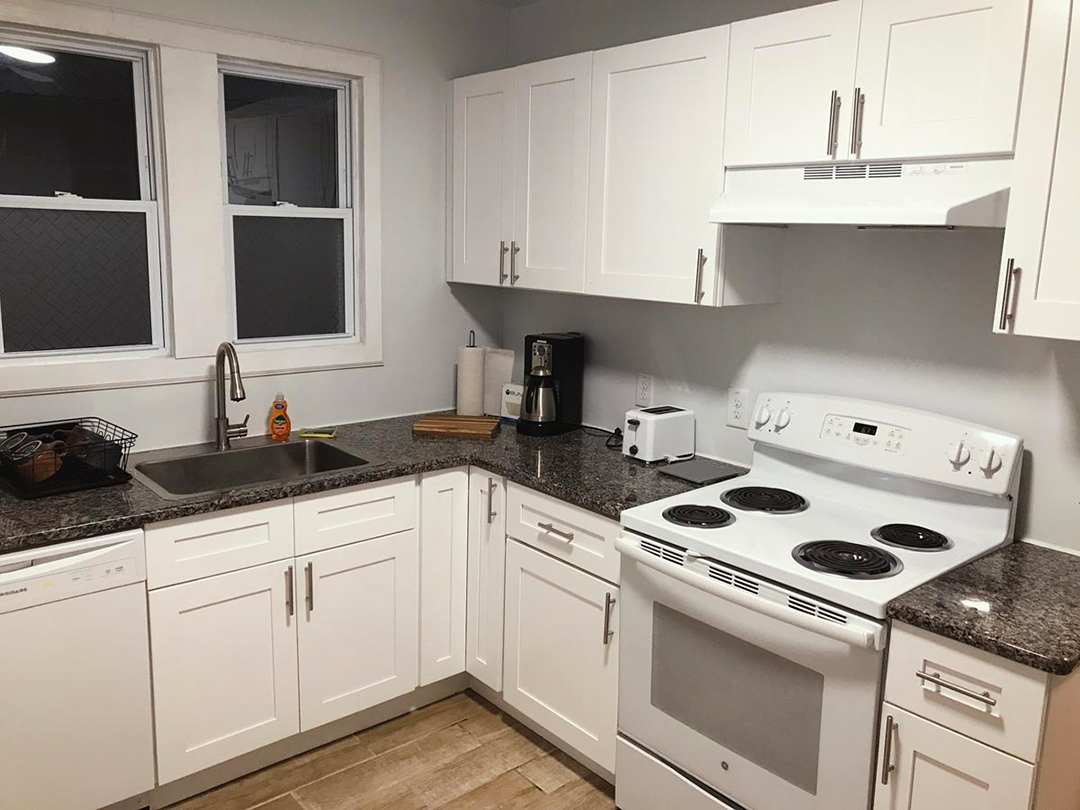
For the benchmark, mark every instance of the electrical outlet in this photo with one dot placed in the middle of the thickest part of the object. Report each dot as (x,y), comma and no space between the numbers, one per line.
(643,399)
(738,408)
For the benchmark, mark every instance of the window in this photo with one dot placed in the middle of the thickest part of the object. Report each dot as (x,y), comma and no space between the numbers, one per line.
(79,259)
(288,204)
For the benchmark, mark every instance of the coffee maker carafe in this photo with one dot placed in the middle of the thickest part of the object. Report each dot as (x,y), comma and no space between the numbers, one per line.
(554,371)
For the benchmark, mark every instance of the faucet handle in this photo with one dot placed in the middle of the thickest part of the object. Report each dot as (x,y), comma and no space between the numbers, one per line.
(241,430)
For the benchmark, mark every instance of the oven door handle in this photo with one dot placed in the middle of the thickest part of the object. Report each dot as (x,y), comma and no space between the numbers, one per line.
(858,633)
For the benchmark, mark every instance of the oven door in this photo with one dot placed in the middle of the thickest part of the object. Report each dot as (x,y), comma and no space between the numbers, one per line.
(767,695)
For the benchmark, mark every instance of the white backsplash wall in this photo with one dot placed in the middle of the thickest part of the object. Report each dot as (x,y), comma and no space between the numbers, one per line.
(903,317)
(423,44)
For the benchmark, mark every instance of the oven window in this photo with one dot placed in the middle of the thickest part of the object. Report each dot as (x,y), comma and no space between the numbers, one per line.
(751,701)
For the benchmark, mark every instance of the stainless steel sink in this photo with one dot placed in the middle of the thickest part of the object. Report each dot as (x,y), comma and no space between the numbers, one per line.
(189,472)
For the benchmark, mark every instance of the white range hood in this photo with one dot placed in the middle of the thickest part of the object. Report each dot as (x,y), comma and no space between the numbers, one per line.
(972,194)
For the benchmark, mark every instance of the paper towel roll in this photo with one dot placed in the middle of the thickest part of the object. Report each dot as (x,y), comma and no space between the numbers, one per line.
(470,381)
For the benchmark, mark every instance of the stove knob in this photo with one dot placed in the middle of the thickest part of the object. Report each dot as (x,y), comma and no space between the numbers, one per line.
(763,416)
(989,462)
(959,455)
(783,419)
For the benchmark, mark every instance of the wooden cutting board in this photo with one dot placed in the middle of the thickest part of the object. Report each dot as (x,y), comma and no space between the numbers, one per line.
(462,427)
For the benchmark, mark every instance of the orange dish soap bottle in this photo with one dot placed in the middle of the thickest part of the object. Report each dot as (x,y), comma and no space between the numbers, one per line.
(280,424)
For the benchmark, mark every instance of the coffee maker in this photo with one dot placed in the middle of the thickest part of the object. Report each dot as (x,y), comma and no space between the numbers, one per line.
(554,376)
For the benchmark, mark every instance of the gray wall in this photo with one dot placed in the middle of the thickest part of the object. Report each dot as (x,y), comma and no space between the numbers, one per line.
(903,317)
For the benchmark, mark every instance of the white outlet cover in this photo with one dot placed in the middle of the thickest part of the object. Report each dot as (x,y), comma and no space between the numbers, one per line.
(643,397)
(738,408)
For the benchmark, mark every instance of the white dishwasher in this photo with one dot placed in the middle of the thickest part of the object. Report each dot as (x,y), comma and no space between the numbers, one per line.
(75,675)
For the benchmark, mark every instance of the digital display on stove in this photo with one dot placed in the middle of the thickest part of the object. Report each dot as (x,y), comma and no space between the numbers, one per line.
(866,430)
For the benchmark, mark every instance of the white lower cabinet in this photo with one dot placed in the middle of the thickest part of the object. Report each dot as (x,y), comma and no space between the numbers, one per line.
(358,627)
(925,766)
(486,569)
(225,668)
(561,651)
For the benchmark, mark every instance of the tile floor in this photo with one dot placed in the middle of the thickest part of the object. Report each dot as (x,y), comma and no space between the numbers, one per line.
(458,753)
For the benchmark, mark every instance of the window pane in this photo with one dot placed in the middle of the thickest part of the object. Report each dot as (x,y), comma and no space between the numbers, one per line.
(68,126)
(281,142)
(290,276)
(73,280)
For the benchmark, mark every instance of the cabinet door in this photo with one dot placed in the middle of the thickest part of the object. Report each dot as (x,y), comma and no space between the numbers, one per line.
(655,165)
(224,663)
(934,768)
(553,108)
(487,558)
(939,77)
(562,650)
(784,72)
(444,530)
(1042,296)
(358,627)
(484,113)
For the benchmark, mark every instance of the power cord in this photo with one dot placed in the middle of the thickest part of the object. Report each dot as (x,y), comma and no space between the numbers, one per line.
(614,437)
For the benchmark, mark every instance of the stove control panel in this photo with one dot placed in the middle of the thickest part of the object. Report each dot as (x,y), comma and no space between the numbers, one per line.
(890,439)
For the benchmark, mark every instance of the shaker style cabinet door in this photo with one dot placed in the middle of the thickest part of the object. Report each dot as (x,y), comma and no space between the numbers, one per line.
(939,78)
(356,608)
(483,207)
(789,86)
(552,155)
(562,650)
(487,557)
(224,663)
(924,766)
(655,167)
(444,530)
(1039,287)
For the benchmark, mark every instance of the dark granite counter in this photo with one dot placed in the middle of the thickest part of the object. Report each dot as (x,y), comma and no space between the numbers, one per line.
(1022,603)
(575,467)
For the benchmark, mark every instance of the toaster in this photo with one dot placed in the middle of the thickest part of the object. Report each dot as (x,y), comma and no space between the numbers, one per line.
(660,433)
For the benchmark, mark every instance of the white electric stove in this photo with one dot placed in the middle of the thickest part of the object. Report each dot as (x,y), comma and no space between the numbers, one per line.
(752,649)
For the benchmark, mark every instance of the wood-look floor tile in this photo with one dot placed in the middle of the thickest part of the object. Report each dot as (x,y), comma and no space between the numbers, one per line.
(551,772)
(426,720)
(590,793)
(506,791)
(353,786)
(281,803)
(485,721)
(281,778)
(503,752)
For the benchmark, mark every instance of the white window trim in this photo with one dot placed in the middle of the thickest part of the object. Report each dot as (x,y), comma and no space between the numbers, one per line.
(185,44)
(145,99)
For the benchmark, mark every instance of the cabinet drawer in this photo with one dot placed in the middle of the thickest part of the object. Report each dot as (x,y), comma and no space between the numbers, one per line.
(328,520)
(580,537)
(1006,710)
(192,548)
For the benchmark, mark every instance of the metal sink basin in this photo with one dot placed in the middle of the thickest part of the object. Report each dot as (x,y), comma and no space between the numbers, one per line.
(196,472)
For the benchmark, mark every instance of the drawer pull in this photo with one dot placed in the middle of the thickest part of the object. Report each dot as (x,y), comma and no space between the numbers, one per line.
(547,527)
(290,592)
(609,603)
(492,514)
(935,678)
(886,755)
(310,573)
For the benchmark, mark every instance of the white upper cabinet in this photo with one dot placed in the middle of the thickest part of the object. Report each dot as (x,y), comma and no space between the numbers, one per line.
(790,85)
(939,78)
(1039,290)
(551,180)
(485,111)
(655,167)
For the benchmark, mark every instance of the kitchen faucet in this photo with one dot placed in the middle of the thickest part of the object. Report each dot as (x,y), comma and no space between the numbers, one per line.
(225,431)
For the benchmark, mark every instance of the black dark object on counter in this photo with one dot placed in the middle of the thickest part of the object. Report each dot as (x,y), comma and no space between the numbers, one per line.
(701,471)
(51,458)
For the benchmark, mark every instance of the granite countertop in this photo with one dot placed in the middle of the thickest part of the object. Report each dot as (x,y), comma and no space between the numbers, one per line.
(575,467)
(1021,603)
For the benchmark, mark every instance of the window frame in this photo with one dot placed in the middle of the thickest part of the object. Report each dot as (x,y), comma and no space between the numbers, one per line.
(348,193)
(144,84)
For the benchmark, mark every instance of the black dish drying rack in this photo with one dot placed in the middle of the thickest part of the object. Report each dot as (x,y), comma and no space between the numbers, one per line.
(73,455)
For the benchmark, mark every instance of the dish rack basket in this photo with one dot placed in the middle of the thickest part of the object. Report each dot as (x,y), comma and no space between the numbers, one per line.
(51,458)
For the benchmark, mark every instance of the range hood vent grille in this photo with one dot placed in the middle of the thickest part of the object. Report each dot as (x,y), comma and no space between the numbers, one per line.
(853,171)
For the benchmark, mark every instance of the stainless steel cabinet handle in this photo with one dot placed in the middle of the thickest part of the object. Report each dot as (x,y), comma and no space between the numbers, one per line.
(609,603)
(503,250)
(290,592)
(857,121)
(491,500)
(309,573)
(935,678)
(547,527)
(699,292)
(1011,270)
(514,251)
(834,125)
(886,752)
